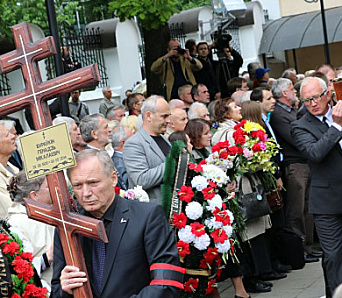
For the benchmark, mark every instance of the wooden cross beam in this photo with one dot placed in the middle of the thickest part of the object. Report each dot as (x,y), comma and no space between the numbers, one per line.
(36,93)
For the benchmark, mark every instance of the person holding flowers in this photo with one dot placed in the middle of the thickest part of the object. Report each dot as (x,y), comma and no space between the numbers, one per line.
(207,221)
(199,133)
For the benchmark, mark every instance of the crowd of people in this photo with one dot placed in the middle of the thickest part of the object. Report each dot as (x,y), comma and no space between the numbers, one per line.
(126,144)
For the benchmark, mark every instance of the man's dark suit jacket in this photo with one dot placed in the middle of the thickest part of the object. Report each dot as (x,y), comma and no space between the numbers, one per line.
(320,145)
(281,119)
(145,238)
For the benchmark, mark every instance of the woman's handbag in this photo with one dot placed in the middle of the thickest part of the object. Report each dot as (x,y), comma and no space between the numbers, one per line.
(252,200)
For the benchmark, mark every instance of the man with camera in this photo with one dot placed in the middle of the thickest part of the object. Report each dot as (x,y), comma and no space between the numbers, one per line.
(175,69)
(230,61)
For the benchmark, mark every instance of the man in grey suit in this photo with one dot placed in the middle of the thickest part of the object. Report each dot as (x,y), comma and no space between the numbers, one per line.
(144,153)
(318,136)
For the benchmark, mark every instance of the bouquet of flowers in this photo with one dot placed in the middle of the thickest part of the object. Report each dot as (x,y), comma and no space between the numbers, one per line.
(21,268)
(255,148)
(137,193)
(252,151)
(206,228)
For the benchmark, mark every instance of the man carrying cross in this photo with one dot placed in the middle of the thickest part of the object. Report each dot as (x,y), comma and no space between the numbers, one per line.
(141,257)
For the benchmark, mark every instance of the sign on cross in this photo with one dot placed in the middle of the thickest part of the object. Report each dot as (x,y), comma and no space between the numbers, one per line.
(36,93)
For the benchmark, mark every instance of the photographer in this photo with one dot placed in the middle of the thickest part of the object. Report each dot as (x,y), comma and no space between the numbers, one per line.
(230,61)
(207,74)
(175,69)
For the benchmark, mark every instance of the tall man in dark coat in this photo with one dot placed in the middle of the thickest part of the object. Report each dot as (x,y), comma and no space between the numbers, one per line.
(317,135)
(136,260)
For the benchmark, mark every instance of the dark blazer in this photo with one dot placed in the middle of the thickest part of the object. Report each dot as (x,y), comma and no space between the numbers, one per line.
(134,245)
(281,119)
(320,145)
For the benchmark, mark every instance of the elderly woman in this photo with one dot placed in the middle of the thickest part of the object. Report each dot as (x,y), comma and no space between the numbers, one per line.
(199,133)
(37,237)
(227,114)
(7,170)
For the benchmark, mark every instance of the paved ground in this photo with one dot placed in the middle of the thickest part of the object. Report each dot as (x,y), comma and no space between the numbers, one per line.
(305,283)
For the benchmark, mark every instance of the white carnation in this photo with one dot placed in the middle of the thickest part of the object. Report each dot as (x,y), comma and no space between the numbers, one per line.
(199,182)
(212,223)
(216,201)
(194,210)
(141,194)
(228,229)
(186,235)
(202,242)
(223,247)
(215,174)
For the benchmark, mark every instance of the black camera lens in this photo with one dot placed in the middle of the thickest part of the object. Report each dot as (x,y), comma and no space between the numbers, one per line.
(180,50)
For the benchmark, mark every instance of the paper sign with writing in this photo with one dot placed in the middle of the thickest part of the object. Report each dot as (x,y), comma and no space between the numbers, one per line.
(47,151)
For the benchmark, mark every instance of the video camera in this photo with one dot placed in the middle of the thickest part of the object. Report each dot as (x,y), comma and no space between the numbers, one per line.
(221,40)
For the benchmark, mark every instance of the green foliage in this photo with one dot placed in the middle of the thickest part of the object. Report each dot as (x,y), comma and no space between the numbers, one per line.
(187,4)
(152,13)
(34,11)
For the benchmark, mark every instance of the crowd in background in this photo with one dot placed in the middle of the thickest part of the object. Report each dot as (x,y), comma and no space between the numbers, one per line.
(200,103)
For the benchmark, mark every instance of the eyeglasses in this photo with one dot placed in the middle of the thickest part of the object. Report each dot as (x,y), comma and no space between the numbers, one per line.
(315,98)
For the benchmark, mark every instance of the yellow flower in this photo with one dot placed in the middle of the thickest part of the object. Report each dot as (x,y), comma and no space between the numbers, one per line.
(252,126)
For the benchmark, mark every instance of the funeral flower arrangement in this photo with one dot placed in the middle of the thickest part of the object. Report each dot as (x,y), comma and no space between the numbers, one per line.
(21,268)
(211,219)
(207,227)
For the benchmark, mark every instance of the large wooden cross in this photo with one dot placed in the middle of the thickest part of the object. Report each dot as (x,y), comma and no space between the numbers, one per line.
(34,96)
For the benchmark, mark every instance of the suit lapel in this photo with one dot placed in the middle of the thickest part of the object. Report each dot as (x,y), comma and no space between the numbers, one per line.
(321,129)
(120,221)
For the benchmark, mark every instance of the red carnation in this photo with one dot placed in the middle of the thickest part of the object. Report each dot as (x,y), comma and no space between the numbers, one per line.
(241,124)
(3,238)
(179,221)
(208,193)
(191,285)
(27,256)
(223,154)
(34,291)
(183,249)
(196,167)
(256,148)
(258,134)
(23,268)
(215,148)
(240,140)
(211,255)
(232,247)
(240,150)
(11,248)
(117,190)
(212,184)
(222,216)
(15,296)
(219,236)
(233,150)
(186,193)
(204,264)
(197,229)
(211,285)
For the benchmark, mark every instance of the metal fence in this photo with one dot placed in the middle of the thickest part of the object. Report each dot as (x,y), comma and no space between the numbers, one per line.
(85,47)
(5,88)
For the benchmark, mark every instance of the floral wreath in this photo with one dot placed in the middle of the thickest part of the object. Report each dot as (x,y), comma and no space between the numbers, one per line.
(210,220)
(21,268)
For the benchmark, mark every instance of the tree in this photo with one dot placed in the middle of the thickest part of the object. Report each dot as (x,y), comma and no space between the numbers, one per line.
(153,16)
(34,11)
